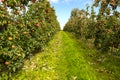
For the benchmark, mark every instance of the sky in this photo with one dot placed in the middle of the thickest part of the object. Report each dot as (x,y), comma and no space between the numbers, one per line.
(63,8)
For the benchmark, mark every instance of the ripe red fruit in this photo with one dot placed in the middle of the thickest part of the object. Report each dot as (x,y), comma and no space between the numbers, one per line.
(37,24)
(3,15)
(2,0)
(7,62)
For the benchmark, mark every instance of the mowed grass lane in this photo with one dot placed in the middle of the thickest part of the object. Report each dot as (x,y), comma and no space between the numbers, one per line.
(62,59)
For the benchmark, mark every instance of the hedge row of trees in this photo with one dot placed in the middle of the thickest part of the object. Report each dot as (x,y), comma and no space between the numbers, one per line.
(25,26)
(103,28)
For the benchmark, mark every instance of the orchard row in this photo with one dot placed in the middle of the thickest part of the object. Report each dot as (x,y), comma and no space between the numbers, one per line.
(25,27)
(103,28)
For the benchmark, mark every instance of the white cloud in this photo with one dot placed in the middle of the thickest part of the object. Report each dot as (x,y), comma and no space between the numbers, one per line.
(54,1)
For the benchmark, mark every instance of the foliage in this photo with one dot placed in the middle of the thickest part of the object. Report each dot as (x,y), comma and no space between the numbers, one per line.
(25,26)
(103,28)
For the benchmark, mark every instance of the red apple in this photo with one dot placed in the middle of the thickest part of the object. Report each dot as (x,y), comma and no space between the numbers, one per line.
(7,62)
(2,0)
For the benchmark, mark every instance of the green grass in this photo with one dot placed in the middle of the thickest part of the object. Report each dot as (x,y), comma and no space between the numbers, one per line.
(42,65)
(74,64)
(66,58)
(107,66)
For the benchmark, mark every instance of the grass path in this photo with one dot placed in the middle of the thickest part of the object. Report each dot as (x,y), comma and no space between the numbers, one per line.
(62,59)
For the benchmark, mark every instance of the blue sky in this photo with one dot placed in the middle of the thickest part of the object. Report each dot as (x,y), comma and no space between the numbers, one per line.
(64,7)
